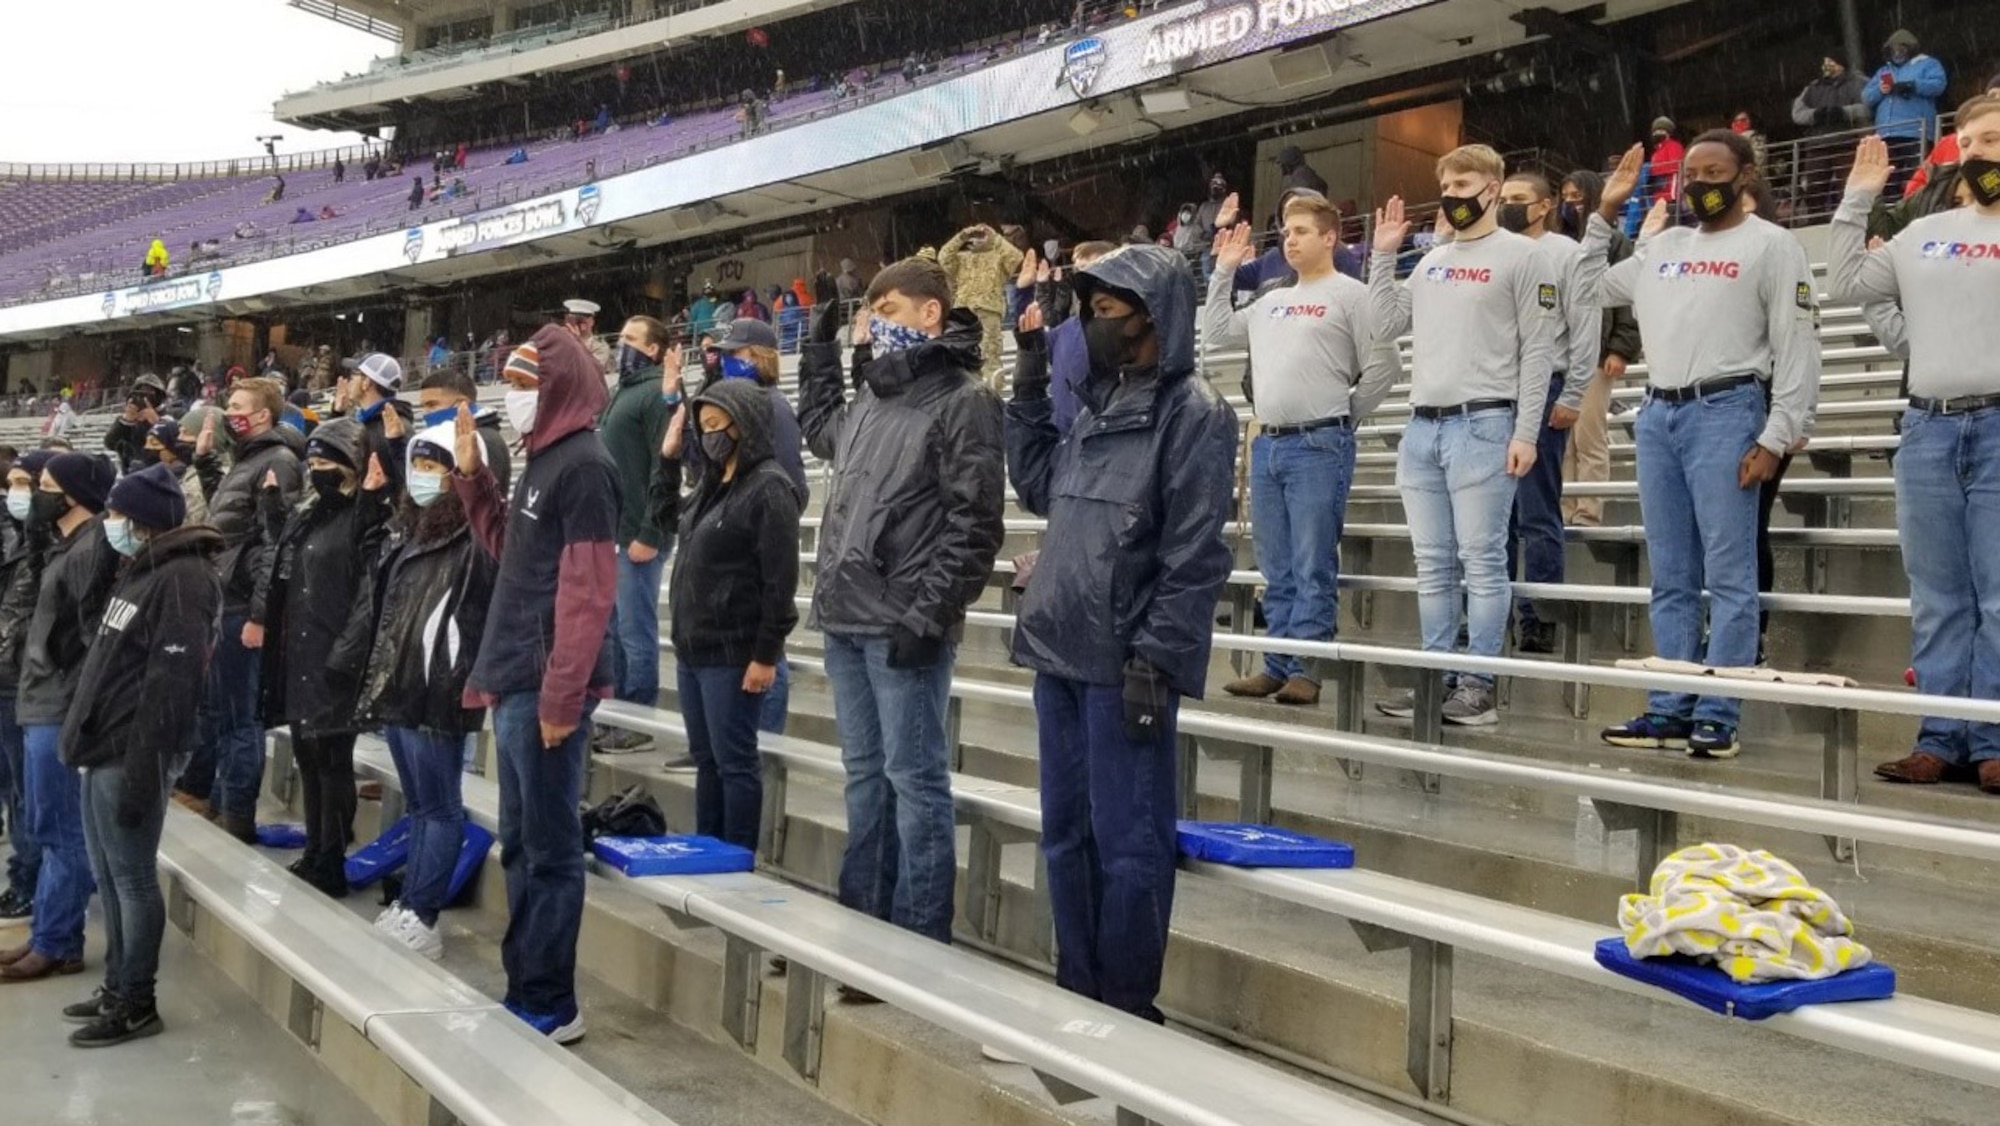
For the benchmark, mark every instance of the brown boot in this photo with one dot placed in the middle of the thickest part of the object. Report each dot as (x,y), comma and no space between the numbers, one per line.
(189,801)
(1989,776)
(1298,692)
(1254,687)
(1918,769)
(37,966)
(9,957)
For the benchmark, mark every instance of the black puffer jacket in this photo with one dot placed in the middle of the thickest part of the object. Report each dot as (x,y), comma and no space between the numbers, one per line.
(139,689)
(317,627)
(77,574)
(913,520)
(20,588)
(1134,558)
(233,499)
(736,571)
(431,593)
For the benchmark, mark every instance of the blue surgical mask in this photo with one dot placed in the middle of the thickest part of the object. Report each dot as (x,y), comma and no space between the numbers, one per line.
(740,367)
(369,413)
(426,488)
(19,501)
(123,539)
(888,336)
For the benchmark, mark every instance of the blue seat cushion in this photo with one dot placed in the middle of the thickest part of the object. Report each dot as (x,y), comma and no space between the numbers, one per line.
(1718,992)
(672,855)
(283,834)
(1260,846)
(381,856)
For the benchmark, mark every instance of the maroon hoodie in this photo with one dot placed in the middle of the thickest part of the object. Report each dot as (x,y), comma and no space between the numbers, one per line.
(546,629)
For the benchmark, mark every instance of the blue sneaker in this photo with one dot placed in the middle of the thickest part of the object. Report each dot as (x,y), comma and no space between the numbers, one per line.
(1712,740)
(563,1028)
(1650,732)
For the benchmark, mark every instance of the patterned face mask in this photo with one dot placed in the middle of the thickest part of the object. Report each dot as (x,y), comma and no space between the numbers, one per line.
(892,337)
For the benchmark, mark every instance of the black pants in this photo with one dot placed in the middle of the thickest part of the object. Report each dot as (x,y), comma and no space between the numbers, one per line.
(1767,567)
(326,776)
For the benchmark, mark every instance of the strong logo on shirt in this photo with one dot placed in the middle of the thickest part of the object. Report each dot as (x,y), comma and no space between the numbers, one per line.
(1676,270)
(1481,274)
(1282,312)
(1968,251)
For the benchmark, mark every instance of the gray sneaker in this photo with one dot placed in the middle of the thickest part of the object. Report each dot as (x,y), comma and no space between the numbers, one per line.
(1401,704)
(679,764)
(618,741)
(1471,705)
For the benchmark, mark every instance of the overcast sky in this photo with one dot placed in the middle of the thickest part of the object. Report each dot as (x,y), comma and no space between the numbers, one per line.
(141,80)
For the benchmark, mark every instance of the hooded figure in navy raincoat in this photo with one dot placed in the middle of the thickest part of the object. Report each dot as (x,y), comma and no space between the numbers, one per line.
(1117,614)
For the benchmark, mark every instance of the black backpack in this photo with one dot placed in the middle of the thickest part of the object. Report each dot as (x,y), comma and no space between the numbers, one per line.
(632,813)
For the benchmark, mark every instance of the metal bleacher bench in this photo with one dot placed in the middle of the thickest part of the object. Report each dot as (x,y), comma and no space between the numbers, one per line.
(1079,1047)
(1390,912)
(478,1063)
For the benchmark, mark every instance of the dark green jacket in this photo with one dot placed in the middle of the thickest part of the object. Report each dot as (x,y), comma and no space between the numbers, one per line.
(633,427)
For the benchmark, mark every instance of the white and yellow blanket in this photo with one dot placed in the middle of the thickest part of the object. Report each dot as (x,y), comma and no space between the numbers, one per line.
(1749,914)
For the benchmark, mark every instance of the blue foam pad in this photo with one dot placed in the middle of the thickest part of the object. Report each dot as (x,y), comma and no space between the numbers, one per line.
(1260,846)
(672,856)
(282,835)
(471,854)
(1718,992)
(380,856)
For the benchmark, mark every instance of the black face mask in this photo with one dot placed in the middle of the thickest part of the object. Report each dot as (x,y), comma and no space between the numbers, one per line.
(718,447)
(327,482)
(1982,179)
(1217,191)
(47,507)
(1570,217)
(1514,217)
(1105,341)
(1463,211)
(1711,202)
(711,365)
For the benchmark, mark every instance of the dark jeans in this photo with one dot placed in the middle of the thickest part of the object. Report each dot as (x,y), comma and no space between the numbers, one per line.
(721,723)
(326,778)
(428,766)
(900,862)
(55,818)
(24,864)
(229,724)
(126,862)
(1108,813)
(635,627)
(1767,565)
(541,850)
(1535,538)
(197,778)
(777,705)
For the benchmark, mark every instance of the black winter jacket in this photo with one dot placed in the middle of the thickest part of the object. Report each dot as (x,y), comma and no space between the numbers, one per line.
(20,588)
(139,689)
(76,579)
(431,592)
(233,499)
(1136,496)
(914,517)
(736,572)
(126,442)
(317,627)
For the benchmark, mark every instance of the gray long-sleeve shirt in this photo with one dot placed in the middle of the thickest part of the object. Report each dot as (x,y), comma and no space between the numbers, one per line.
(1485,314)
(1580,328)
(1717,304)
(1944,269)
(1313,344)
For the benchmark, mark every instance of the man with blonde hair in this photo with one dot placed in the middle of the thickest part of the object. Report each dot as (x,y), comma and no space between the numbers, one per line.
(1485,308)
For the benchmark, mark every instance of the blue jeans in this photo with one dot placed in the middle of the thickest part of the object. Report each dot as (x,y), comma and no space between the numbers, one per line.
(777,704)
(55,819)
(24,863)
(541,851)
(635,618)
(900,863)
(1948,510)
(721,722)
(1298,505)
(126,861)
(1108,817)
(1701,532)
(1537,532)
(428,764)
(229,723)
(1458,499)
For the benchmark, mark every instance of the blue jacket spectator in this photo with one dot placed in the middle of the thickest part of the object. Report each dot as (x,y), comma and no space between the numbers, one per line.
(1904,93)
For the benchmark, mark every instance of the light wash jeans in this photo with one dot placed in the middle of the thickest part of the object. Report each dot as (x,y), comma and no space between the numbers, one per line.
(1459,501)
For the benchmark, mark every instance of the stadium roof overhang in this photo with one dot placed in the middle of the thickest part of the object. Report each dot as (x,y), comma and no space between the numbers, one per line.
(1110,90)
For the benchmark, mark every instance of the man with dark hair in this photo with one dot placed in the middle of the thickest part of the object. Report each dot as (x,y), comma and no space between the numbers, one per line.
(1116,621)
(632,429)
(438,399)
(229,709)
(125,437)
(386,421)
(912,528)
(1587,456)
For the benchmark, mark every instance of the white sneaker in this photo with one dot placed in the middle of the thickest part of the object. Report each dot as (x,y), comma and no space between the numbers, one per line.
(411,932)
(386,921)
(569,1033)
